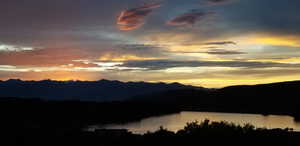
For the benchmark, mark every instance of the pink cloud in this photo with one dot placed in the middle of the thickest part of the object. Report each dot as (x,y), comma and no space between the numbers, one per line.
(134,18)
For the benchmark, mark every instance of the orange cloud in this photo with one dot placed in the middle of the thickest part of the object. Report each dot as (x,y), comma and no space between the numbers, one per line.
(134,18)
(45,57)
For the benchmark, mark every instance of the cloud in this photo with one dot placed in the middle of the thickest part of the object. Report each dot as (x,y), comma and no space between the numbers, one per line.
(139,47)
(12,48)
(188,18)
(45,57)
(103,66)
(218,1)
(165,64)
(221,43)
(9,68)
(224,52)
(212,52)
(134,18)
(49,57)
(124,57)
(210,44)
(86,66)
(139,50)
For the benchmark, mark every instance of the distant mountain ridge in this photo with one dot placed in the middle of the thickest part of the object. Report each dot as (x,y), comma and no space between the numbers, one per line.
(102,90)
(273,98)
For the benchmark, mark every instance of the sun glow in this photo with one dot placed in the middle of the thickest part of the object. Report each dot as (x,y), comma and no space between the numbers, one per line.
(291,41)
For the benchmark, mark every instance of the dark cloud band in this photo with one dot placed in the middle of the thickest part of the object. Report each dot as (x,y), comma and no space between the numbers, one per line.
(221,43)
(224,52)
(212,52)
(188,18)
(214,2)
(165,64)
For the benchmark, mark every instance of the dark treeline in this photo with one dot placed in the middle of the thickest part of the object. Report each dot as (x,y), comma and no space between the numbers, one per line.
(204,133)
(36,111)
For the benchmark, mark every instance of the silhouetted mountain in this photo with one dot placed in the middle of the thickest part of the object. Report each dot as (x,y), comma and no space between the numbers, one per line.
(102,90)
(269,98)
(274,98)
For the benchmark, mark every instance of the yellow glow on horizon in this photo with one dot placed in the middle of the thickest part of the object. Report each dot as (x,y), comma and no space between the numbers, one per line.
(122,58)
(221,82)
(266,39)
(291,60)
(278,41)
(197,69)
(64,79)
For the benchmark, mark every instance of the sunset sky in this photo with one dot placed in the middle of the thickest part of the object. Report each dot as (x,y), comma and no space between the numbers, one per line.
(210,43)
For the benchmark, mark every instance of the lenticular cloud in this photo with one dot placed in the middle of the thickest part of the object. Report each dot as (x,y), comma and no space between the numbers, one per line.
(134,18)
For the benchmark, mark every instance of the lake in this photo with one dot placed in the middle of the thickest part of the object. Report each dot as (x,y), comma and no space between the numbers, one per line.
(175,122)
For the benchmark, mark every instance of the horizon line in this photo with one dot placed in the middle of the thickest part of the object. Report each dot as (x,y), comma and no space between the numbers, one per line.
(153,82)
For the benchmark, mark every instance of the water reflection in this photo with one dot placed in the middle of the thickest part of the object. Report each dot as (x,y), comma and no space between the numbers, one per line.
(175,122)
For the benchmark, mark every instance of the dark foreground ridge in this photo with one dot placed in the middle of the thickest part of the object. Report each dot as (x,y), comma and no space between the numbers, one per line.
(24,120)
(38,122)
(212,133)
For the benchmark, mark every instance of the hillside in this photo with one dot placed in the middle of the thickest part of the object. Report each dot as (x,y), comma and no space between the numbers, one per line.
(275,98)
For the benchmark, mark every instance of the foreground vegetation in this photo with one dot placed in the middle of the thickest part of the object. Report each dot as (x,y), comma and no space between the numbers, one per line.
(206,132)
(47,123)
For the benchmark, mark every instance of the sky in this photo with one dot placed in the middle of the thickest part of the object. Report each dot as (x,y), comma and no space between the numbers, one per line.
(209,43)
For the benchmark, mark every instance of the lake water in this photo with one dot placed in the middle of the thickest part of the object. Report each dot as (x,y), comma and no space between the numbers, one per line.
(175,122)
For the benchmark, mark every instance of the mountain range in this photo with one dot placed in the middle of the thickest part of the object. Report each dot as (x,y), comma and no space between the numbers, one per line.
(102,90)
(274,98)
